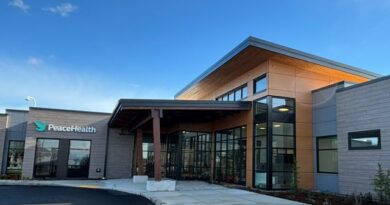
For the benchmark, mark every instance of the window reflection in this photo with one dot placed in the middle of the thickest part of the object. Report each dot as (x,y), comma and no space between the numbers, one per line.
(78,161)
(46,158)
(15,157)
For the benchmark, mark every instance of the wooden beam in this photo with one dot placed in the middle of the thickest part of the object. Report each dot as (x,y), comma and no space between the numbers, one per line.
(157,144)
(140,123)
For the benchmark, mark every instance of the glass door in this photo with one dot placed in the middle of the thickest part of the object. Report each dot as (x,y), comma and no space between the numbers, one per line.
(78,161)
(46,158)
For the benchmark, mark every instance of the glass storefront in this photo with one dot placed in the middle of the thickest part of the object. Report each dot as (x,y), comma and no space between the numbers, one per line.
(196,155)
(184,155)
(230,155)
(61,158)
(274,142)
(15,157)
(78,160)
(46,158)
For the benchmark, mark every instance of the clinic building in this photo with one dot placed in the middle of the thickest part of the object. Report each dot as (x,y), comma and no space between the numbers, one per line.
(255,117)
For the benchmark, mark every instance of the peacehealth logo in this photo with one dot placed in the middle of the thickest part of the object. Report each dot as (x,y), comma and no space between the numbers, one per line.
(42,127)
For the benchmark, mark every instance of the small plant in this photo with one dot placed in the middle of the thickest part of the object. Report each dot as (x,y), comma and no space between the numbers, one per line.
(295,180)
(381,184)
(25,178)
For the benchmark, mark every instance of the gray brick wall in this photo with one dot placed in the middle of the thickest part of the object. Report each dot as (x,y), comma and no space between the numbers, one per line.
(67,118)
(3,122)
(119,154)
(362,108)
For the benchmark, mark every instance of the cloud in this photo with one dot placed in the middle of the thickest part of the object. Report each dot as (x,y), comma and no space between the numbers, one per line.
(63,9)
(20,4)
(34,61)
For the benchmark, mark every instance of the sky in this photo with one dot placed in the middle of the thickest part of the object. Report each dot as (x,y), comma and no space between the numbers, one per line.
(86,55)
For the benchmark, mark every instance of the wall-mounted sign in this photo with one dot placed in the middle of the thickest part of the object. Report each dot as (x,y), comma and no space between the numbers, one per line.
(42,127)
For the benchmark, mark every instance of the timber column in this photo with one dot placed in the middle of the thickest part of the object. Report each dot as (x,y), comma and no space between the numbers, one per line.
(156,115)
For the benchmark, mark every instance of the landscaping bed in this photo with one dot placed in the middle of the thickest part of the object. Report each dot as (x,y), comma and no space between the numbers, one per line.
(315,198)
(319,198)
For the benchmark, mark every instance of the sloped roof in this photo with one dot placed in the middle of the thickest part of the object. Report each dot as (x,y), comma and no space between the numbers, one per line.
(279,49)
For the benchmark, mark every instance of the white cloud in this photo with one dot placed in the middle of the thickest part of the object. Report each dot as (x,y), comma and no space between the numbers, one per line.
(63,9)
(34,61)
(20,4)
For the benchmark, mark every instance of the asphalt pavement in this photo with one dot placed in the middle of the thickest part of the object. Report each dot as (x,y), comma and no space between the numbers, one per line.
(56,195)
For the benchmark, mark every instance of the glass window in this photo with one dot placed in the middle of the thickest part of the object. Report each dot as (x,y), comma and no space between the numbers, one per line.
(46,158)
(225,98)
(364,140)
(15,157)
(261,129)
(231,157)
(231,96)
(280,128)
(261,106)
(237,94)
(282,141)
(281,180)
(244,92)
(78,161)
(327,154)
(282,105)
(282,160)
(260,84)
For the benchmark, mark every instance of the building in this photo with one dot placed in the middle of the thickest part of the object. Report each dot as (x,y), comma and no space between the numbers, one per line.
(255,116)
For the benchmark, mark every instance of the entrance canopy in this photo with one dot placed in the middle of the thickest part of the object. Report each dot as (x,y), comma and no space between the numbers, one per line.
(130,114)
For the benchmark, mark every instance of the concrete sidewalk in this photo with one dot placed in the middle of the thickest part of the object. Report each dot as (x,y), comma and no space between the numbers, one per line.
(187,192)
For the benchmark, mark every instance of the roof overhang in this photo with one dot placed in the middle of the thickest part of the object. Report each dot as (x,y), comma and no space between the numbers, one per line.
(268,49)
(130,112)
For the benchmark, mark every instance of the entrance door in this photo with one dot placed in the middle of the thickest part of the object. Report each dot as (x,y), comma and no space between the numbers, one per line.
(78,161)
(46,158)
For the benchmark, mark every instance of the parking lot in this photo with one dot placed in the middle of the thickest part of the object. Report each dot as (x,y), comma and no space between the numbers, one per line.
(57,195)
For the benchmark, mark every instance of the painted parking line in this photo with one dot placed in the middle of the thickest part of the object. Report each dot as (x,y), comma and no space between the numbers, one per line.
(89,186)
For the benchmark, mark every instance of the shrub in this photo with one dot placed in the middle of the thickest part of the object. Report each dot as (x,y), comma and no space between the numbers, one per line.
(381,184)
(295,179)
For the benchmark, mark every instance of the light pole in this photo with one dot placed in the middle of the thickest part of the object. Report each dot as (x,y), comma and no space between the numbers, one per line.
(30,98)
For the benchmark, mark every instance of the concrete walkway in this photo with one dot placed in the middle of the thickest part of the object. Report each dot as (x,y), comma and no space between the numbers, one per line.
(187,192)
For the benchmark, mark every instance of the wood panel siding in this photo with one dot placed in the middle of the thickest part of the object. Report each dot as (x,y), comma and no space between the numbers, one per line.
(296,79)
(286,77)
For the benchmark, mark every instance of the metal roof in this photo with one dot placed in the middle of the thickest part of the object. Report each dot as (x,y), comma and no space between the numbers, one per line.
(266,45)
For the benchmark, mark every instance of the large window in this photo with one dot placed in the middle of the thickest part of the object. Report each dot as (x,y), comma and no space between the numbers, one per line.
(46,158)
(15,157)
(260,84)
(327,154)
(148,158)
(274,142)
(370,139)
(230,155)
(196,151)
(236,94)
(78,161)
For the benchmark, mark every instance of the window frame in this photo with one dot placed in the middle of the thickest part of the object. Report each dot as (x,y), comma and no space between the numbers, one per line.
(233,91)
(8,153)
(361,134)
(35,156)
(261,77)
(318,156)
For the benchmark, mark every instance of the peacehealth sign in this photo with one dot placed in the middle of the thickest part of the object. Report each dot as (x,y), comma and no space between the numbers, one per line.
(42,127)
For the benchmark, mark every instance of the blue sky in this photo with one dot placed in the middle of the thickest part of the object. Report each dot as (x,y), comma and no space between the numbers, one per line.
(88,54)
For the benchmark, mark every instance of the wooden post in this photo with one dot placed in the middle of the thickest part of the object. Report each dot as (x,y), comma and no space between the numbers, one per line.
(156,144)
(139,159)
